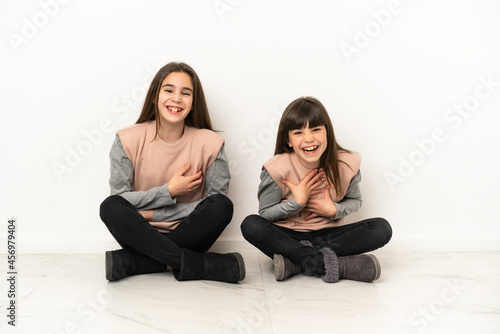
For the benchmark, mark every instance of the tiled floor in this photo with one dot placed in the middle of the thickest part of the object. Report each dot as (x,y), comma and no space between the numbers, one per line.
(417,293)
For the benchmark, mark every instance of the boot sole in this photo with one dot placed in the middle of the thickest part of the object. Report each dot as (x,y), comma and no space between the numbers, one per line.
(109,265)
(241,266)
(377,266)
(279,267)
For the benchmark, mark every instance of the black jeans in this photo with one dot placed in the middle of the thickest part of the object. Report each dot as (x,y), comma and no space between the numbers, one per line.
(197,232)
(349,239)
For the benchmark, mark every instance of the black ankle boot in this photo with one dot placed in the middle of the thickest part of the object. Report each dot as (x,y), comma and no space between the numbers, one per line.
(228,268)
(123,263)
(363,268)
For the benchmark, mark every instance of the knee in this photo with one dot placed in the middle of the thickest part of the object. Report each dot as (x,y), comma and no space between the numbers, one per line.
(109,205)
(251,226)
(224,204)
(219,205)
(385,230)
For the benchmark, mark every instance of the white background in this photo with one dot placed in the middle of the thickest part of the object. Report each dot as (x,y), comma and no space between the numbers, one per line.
(389,73)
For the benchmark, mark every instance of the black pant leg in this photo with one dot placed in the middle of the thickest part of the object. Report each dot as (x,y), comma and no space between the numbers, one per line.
(272,239)
(356,238)
(204,225)
(130,229)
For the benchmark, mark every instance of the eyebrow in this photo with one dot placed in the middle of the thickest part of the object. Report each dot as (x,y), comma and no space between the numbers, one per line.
(170,85)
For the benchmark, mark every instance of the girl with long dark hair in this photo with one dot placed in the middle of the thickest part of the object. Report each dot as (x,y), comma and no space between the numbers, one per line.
(169,181)
(305,192)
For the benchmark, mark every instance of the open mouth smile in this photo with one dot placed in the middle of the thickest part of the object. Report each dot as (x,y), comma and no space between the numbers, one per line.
(310,149)
(174,109)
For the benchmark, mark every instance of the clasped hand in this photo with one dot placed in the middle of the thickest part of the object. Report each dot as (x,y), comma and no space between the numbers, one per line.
(309,186)
(179,185)
(182,185)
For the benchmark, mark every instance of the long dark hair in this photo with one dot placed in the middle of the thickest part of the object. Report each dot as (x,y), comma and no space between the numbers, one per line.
(198,117)
(297,115)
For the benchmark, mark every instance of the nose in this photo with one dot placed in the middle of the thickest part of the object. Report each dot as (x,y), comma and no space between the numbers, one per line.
(176,97)
(308,136)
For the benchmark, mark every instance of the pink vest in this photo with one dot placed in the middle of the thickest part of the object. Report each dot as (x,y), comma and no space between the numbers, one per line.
(155,161)
(287,166)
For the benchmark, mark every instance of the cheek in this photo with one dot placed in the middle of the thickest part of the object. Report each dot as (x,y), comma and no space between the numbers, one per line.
(189,104)
(294,147)
(325,140)
(161,98)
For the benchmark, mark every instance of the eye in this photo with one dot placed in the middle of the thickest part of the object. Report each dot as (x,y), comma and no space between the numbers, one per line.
(168,90)
(316,129)
(296,132)
(186,94)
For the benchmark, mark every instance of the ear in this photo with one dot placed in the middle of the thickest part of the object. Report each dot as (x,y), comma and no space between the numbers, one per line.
(289,144)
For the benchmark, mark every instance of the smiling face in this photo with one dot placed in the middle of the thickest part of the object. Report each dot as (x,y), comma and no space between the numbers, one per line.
(309,144)
(175,98)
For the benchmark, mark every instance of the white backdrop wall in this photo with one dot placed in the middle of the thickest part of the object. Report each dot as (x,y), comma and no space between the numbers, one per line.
(413,86)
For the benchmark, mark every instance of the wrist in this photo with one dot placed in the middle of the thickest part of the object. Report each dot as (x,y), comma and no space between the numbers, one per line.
(296,203)
(334,211)
(171,191)
(301,202)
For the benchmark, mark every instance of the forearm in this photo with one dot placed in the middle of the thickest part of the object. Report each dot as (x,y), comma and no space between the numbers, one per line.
(346,207)
(352,200)
(281,210)
(154,198)
(271,206)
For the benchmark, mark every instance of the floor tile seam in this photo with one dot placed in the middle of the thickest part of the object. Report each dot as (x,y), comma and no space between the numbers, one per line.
(133,320)
(21,301)
(42,280)
(265,288)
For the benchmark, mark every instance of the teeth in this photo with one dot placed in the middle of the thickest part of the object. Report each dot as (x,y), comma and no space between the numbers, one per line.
(310,149)
(174,109)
